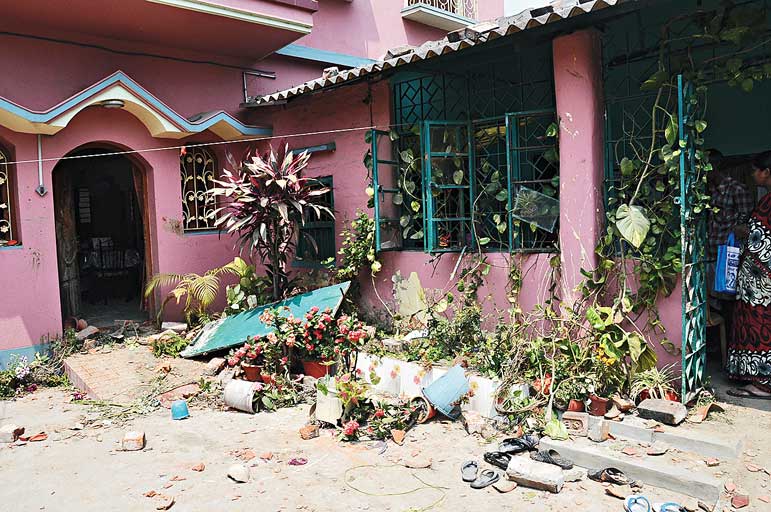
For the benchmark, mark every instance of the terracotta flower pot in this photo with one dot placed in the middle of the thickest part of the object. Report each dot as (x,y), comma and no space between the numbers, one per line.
(251,372)
(671,395)
(575,405)
(315,369)
(598,406)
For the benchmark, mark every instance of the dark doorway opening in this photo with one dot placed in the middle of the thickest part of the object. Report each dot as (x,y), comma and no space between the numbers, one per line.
(100,236)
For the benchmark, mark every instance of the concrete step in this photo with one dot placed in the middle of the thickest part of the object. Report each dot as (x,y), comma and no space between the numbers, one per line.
(654,471)
(634,429)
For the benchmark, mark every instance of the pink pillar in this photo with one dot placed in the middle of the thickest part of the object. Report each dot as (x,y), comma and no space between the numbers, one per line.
(580,107)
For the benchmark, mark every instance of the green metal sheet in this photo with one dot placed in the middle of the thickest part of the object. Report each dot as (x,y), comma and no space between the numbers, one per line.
(233,330)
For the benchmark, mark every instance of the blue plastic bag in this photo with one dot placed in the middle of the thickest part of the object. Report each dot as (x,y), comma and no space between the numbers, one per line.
(727,266)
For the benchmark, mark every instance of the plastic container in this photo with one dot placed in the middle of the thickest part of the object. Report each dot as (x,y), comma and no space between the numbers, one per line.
(329,407)
(445,393)
(239,394)
(179,410)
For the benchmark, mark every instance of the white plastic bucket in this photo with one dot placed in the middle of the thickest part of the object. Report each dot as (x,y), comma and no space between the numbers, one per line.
(239,394)
(329,407)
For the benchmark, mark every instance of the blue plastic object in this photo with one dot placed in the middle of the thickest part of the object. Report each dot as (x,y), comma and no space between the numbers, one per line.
(179,410)
(445,393)
(637,503)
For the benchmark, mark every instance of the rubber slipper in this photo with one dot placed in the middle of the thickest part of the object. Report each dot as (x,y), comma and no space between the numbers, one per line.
(743,393)
(469,471)
(498,459)
(637,503)
(517,445)
(670,507)
(612,475)
(551,457)
(486,477)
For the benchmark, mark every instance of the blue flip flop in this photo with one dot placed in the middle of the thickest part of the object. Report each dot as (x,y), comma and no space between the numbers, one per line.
(637,503)
(670,507)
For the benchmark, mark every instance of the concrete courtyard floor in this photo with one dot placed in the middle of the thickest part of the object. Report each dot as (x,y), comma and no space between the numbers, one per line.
(85,470)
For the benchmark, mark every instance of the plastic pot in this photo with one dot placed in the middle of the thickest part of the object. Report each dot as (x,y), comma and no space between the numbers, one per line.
(315,369)
(598,406)
(251,372)
(445,393)
(239,394)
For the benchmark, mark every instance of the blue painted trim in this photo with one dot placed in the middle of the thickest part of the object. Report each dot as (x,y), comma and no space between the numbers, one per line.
(126,81)
(11,247)
(330,146)
(438,12)
(5,355)
(307,53)
(202,232)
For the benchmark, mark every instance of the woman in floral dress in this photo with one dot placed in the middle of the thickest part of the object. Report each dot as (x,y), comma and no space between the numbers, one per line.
(749,352)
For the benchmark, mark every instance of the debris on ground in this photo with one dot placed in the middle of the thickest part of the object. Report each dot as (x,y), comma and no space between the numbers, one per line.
(10,433)
(40,436)
(86,333)
(245,454)
(418,462)
(712,462)
(504,486)
(657,449)
(238,473)
(527,472)
(740,501)
(133,441)
(309,432)
(663,411)
(298,461)
(199,467)
(398,436)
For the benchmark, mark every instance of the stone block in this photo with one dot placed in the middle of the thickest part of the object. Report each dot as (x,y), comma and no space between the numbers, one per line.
(599,431)
(133,441)
(527,472)
(574,475)
(473,422)
(577,423)
(10,433)
(214,366)
(178,327)
(663,411)
(86,333)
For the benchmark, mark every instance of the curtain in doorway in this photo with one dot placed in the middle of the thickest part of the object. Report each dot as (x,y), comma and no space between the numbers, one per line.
(139,191)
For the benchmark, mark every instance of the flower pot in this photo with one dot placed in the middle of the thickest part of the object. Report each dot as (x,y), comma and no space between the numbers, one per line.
(427,411)
(315,369)
(598,406)
(575,405)
(251,372)
(446,392)
(329,407)
(239,394)
(267,378)
(672,396)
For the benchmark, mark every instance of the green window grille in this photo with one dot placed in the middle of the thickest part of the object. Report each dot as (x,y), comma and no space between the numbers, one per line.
(8,235)
(316,236)
(197,169)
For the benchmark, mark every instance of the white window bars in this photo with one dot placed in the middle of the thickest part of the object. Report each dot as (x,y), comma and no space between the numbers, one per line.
(465,8)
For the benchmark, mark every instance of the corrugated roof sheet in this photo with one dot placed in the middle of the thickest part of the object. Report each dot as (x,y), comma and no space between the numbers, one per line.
(485,31)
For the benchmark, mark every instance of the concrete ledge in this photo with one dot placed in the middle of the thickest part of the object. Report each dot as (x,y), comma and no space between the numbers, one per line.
(634,429)
(655,472)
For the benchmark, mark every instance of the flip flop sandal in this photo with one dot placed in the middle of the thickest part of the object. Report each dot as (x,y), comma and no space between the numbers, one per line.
(612,475)
(486,477)
(636,503)
(469,471)
(743,393)
(498,459)
(670,507)
(551,457)
(515,445)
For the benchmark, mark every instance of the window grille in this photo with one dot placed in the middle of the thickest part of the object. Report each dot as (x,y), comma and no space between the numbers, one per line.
(8,234)
(316,236)
(465,8)
(197,168)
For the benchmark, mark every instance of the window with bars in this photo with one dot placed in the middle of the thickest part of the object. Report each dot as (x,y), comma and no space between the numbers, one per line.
(8,232)
(197,172)
(316,236)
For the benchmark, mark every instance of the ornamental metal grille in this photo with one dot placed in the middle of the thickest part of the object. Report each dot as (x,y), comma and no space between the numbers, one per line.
(316,236)
(196,167)
(465,8)
(7,234)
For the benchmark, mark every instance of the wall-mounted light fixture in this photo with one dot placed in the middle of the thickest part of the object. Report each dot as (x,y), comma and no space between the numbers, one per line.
(112,104)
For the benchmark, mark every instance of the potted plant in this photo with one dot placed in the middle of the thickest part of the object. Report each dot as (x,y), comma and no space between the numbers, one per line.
(606,377)
(654,383)
(317,349)
(571,394)
(250,358)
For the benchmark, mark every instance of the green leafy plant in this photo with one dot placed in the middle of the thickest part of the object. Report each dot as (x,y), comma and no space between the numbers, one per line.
(168,345)
(655,382)
(250,291)
(357,250)
(199,291)
(266,199)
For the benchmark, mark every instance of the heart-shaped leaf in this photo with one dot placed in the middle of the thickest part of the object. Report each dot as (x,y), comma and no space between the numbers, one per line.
(632,224)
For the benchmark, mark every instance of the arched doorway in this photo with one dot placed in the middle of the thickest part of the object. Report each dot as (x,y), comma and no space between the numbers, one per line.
(101,236)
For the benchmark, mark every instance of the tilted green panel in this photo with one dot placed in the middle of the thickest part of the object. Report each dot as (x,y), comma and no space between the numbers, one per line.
(233,330)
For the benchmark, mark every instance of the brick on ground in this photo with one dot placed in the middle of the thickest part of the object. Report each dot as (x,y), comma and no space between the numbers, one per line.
(663,411)
(527,472)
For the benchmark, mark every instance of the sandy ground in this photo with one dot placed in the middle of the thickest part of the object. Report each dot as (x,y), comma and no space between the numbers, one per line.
(84,470)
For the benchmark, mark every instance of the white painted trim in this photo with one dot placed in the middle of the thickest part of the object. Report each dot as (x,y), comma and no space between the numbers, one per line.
(238,14)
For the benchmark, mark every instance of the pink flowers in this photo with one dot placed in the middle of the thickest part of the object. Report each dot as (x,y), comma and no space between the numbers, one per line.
(314,310)
(350,428)
(379,413)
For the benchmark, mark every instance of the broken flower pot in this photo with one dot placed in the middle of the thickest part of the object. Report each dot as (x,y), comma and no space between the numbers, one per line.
(239,394)
(446,392)
(598,406)
(252,372)
(316,369)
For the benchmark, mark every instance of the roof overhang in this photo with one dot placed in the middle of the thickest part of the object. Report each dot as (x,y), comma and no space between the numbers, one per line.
(159,119)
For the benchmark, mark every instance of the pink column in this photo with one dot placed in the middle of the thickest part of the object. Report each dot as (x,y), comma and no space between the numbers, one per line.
(580,109)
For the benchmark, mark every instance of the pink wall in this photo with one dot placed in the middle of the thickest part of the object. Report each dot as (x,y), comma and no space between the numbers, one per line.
(29,305)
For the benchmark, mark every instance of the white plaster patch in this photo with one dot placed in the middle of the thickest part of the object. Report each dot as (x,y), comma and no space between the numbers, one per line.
(410,297)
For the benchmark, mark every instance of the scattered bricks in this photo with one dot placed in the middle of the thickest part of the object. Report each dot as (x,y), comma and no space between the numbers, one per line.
(740,501)
(238,473)
(629,450)
(215,365)
(10,433)
(266,456)
(527,472)
(657,449)
(398,436)
(178,327)
(473,422)
(309,432)
(706,507)
(504,486)
(577,423)
(599,432)
(711,463)
(764,499)
(89,345)
(133,441)
(86,333)
(574,475)
(664,411)
(199,467)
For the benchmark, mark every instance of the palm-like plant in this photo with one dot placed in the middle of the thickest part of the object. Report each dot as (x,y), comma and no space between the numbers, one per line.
(265,201)
(199,291)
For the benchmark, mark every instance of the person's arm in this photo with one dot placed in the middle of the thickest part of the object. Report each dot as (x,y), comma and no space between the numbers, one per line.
(744,205)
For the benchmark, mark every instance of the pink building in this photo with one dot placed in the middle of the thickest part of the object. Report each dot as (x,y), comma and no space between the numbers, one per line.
(80,233)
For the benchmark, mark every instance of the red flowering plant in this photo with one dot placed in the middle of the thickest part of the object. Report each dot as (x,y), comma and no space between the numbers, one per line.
(318,335)
(277,344)
(249,353)
(389,416)
(352,336)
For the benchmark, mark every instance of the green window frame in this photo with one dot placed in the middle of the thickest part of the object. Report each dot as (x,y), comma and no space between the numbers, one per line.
(316,237)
